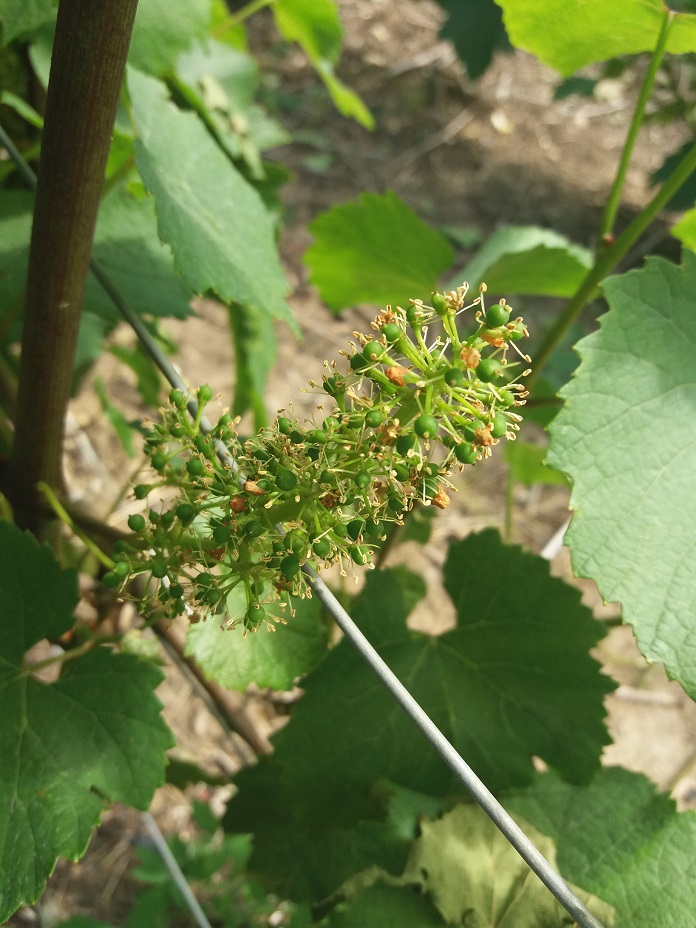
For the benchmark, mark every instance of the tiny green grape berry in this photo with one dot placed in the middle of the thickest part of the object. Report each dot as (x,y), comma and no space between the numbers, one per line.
(455,377)
(322,547)
(439,304)
(358,363)
(497,315)
(401,471)
(392,332)
(221,534)
(111,580)
(413,316)
(373,529)
(355,527)
(499,425)
(373,351)
(176,590)
(177,430)
(285,425)
(406,443)
(290,566)
(185,513)
(487,369)
(360,555)
(330,424)
(362,479)
(195,467)
(253,529)
(178,398)
(254,616)
(285,479)
(213,596)
(121,569)
(158,569)
(465,453)
(395,504)
(426,426)
(507,398)
(317,436)
(374,418)
(136,523)
(340,530)
(167,518)
(141,491)
(153,516)
(335,384)
(296,437)
(205,394)
(159,461)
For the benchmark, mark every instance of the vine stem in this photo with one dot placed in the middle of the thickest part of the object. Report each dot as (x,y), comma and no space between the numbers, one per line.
(612,205)
(237,18)
(89,57)
(607,261)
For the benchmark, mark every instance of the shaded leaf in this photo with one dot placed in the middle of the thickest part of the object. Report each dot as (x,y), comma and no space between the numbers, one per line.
(265,658)
(220,233)
(163,29)
(527,259)
(570,35)
(511,681)
(685,197)
(254,340)
(527,463)
(685,229)
(316,27)
(21,17)
(621,840)
(118,421)
(381,906)
(375,250)
(475,28)
(475,877)
(95,734)
(625,437)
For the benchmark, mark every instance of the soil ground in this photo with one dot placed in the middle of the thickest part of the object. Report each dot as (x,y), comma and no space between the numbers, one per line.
(478,155)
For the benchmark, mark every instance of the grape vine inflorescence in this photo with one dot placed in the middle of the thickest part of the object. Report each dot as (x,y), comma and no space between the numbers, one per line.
(417,400)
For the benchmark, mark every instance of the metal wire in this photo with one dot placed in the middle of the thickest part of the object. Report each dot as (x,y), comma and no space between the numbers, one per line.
(481,794)
(175,870)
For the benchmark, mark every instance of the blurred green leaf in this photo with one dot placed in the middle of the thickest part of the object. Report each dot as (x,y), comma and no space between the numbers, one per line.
(163,29)
(375,250)
(685,197)
(254,339)
(527,259)
(316,27)
(475,28)
(527,463)
(578,32)
(124,430)
(22,17)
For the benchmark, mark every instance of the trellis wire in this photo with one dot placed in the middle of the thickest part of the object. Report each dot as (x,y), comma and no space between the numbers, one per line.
(479,791)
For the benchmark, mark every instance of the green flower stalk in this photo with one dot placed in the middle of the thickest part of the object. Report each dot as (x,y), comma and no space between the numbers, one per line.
(417,400)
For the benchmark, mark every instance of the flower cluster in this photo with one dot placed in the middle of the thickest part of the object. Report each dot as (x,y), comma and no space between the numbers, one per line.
(417,399)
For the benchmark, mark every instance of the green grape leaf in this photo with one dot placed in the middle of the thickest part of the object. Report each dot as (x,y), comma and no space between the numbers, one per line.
(220,233)
(625,437)
(375,250)
(685,229)
(685,197)
(475,28)
(96,734)
(163,29)
(126,245)
(382,906)
(512,680)
(124,430)
(254,339)
(316,27)
(527,259)
(527,463)
(21,17)
(265,658)
(476,877)
(572,34)
(621,840)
